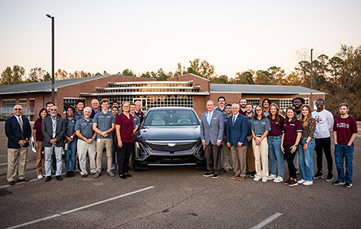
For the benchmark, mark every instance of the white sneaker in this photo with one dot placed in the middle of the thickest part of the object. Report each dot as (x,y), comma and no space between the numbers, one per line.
(264,179)
(301,181)
(308,183)
(278,179)
(256,179)
(112,168)
(272,177)
(40,176)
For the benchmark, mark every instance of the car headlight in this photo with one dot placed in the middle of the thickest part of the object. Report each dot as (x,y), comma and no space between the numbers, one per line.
(199,152)
(140,151)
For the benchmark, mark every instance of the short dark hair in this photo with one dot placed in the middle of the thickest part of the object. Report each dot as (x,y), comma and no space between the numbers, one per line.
(104,101)
(80,101)
(249,104)
(299,98)
(46,104)
(343,104)
(228,105)
(115,102)
(221,97)
(321,99)
(268,100)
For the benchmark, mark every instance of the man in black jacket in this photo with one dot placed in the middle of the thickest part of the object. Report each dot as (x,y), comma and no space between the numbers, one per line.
(18,131)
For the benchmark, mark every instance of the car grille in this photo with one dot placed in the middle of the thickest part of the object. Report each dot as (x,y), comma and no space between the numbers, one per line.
(179,146)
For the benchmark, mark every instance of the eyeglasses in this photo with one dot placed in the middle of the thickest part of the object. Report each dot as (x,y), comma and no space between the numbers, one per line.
(18,109)
(53,109)
(320,102)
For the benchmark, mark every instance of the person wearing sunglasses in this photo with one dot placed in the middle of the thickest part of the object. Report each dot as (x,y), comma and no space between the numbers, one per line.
(18,132)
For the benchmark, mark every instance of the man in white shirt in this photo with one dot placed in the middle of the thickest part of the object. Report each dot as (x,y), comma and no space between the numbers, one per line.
(324,123)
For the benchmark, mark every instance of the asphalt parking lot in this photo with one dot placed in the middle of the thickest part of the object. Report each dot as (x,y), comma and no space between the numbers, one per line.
(175,197)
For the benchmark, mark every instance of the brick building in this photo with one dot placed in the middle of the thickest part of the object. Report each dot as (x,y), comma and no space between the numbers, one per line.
(183,91)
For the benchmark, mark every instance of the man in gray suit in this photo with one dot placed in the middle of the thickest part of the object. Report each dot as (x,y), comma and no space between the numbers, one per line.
(212,127)
(53,130)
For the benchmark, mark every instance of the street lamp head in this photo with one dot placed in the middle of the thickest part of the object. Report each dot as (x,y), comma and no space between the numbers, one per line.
(49,16)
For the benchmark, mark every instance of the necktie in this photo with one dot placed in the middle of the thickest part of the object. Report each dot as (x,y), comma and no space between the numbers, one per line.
(234,119)
(21,124)
(209,118)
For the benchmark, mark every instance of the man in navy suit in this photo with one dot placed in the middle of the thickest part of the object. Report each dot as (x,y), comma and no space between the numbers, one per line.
(53,130)
(237,128)
(212,127)
(18,131)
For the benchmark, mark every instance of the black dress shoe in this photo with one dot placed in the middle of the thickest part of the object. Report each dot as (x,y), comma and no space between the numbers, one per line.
(59,178)
(128,175)
(11,182)
(72,173)
(67,174)
(47,178)
(123,176)
(23,180)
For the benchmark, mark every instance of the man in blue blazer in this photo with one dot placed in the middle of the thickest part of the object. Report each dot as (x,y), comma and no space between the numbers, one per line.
(53,130)
(236,133)
(18,132)
(212,127)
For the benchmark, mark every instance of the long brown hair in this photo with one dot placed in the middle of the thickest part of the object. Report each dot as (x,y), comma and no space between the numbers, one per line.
(255,116)
(278,116)
(294,118)
(302,117)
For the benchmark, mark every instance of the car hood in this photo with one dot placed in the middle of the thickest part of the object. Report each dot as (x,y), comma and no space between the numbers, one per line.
(170,133)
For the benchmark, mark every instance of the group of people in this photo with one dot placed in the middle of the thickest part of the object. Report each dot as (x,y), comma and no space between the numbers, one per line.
(84,132)
(254,138)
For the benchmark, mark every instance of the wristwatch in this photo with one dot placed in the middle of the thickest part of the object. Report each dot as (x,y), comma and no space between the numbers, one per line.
(296,145)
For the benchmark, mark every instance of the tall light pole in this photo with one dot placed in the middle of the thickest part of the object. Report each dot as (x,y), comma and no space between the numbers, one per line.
(52,56)
(312,106)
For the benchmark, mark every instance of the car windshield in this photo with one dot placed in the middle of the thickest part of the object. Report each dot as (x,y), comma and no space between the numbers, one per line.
(171,118)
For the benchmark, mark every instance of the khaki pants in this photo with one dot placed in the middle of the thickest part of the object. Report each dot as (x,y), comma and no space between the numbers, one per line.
(16,163)
(40,160)
(226,153)
(250,159)
(108,142)
(83,148)
(213,158)
(261,153)
(239,160)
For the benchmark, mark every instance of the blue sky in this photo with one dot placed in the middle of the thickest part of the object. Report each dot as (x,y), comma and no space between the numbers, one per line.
(146,35)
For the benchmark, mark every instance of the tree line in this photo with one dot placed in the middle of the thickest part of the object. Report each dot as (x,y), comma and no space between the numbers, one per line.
(339,76)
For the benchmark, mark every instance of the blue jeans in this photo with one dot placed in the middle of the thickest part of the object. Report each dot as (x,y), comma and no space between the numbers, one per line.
(70,153)
(306,159)
(274,151)
(341,152)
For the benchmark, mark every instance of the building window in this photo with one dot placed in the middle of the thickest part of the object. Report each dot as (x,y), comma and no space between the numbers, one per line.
(254,102)
(22,101)
(9,103)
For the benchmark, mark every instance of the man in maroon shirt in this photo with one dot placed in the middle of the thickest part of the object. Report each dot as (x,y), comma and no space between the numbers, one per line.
(242,106)
(138,111)
(345,132)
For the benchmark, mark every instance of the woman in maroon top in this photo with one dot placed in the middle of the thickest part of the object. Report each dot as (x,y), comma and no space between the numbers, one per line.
(124,139)
(292,130)
(38,140)
(274,143)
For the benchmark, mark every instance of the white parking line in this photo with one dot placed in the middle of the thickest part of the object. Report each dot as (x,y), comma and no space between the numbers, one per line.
(81,208)
(18,183)
(267,221)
